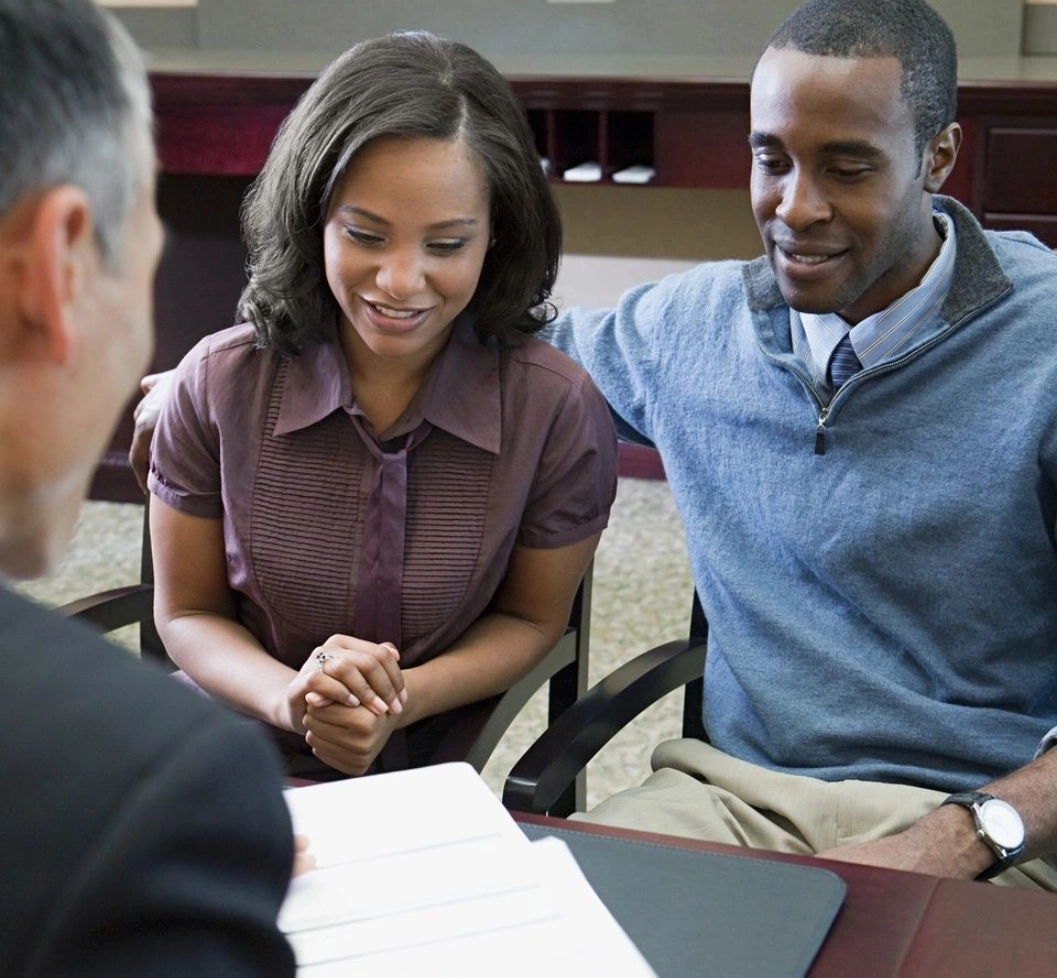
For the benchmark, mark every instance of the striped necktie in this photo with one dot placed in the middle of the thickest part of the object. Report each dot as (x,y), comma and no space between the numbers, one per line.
(843,363)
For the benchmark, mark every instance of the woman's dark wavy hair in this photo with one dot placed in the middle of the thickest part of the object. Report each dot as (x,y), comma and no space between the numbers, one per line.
(410,85)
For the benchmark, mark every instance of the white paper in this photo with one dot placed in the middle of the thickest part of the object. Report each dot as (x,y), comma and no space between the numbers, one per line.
(424,873)
(589,172)
(597,944)
(638,173)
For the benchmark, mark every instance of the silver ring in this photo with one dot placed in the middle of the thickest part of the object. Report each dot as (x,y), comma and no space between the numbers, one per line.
(322,657)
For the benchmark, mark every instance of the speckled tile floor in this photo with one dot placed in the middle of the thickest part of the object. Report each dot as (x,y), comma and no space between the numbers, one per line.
(641,598)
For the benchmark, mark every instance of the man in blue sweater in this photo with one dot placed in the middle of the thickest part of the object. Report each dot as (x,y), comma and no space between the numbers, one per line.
(860,431)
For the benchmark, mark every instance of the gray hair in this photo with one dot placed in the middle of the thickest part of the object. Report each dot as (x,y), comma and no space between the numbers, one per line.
(74,108)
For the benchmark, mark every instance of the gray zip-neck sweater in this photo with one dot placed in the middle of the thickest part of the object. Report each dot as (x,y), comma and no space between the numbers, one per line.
(879,572)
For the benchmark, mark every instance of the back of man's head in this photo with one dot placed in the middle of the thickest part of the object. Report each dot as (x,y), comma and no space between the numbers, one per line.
(908,30)
(72,87)
(79,241)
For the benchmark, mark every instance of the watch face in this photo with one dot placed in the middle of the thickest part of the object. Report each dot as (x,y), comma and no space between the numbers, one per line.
(1002,823)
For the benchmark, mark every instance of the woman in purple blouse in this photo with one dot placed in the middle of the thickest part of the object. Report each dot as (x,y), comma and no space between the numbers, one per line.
(375,496)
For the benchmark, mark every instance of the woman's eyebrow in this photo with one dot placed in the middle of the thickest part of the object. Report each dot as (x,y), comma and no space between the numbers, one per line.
(437,226)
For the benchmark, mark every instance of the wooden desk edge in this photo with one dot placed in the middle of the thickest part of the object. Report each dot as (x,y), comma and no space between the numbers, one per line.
(896,924)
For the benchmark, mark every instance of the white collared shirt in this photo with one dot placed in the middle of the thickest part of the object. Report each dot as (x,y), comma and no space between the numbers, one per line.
(886,334)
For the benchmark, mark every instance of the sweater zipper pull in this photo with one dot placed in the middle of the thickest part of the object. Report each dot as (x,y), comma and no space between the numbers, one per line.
(820,432)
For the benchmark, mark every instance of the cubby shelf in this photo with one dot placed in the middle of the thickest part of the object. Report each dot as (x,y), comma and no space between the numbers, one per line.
(692,133)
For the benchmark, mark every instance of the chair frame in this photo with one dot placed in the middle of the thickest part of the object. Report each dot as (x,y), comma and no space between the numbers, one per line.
(539,781)
(130,605)
(478,727)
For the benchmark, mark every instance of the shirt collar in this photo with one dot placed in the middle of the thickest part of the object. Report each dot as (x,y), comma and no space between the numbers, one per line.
(888,333)
(315,384)
(461,392)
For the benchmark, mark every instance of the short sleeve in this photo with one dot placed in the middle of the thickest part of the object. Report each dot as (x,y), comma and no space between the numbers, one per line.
(185,451)
(576,480)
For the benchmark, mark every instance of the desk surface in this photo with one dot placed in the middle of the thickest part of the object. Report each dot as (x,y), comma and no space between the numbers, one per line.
(904,925)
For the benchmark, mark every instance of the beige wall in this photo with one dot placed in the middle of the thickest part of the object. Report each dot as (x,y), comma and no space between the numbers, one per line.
(658,222)
(501,28)
(149,3)
(1040,27)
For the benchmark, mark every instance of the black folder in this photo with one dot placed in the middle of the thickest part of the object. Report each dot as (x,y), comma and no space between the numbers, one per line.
(697,914)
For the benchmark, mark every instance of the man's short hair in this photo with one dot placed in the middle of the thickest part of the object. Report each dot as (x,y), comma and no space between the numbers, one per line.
(908,30)
(73,93)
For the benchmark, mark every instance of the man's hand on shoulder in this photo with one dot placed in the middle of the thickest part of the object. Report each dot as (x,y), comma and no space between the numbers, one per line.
(155,389)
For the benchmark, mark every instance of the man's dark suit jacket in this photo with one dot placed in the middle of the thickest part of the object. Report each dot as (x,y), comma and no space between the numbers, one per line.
(142,828)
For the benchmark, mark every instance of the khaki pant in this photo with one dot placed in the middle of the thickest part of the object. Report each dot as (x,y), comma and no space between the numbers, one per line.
(699,792)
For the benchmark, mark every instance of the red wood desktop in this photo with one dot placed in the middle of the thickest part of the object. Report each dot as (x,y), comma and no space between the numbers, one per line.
(904,925)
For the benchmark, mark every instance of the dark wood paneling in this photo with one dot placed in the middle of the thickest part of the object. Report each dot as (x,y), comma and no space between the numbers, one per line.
(199,280)
(702,149)
(220,124)
(639,462)
(1043,226)
(1021,176)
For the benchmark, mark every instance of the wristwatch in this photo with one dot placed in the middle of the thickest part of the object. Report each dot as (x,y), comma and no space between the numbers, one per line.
(997,823)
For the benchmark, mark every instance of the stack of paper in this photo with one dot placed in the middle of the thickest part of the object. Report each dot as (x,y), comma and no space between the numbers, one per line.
(424,873)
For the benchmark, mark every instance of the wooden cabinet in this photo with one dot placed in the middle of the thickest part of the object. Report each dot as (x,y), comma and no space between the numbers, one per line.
(1013,155)
(692,133)
(1019,184)
(215,128)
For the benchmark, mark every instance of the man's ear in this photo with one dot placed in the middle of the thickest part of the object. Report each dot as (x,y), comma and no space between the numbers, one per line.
(940,155)
(51,263)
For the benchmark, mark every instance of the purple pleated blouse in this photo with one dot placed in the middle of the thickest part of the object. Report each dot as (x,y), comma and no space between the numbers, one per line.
(405,538)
